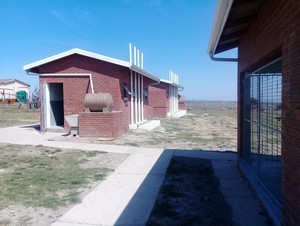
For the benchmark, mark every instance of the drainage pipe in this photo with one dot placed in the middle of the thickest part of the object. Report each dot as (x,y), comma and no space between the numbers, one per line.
(135,98)
(221,59)
(131,99)
(139,98)
(142,84)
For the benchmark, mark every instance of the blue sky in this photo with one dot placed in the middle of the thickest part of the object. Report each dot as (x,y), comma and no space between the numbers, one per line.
(172,34)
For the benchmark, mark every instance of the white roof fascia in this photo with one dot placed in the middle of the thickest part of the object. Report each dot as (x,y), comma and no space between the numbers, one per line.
(76,51)
(143,72)
(15,80)
(166,81)
(171,83)
(92,55)
(221,15)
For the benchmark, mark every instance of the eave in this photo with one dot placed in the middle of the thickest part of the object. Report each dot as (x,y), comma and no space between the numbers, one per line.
(232,19)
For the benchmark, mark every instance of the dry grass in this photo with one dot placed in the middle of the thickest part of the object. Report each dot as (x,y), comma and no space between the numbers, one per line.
(12,115)
(198,130)
(44,176)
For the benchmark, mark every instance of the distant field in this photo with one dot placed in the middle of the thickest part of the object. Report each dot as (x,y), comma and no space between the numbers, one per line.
(213,105)
(12,115)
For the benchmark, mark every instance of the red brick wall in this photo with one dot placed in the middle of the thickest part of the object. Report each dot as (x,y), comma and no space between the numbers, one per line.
(181,106)
(107,77)
(98,124)
(276,32)
(159,100)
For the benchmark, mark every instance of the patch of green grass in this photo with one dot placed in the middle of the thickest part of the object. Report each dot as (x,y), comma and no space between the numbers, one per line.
(190,137)
(52,151)
(133,144)
(93,153)
(5,222)
(37,179)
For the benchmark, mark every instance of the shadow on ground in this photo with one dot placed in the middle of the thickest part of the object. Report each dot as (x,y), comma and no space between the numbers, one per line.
(189,194)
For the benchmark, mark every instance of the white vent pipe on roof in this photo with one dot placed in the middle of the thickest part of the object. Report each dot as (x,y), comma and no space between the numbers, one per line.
(138,57)
(130,53)
(134,55)
(142,59)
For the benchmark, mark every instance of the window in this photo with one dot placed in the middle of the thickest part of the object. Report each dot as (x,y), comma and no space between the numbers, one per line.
(262,125)
(125,90)
(145,92)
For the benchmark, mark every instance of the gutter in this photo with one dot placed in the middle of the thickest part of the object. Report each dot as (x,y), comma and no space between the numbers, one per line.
(221,15)
(222,59)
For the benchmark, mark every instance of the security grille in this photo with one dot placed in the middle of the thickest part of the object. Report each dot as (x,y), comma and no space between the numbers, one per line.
(262,125)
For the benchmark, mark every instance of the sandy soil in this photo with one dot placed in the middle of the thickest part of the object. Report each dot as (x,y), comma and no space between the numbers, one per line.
(198,130)
(20,215)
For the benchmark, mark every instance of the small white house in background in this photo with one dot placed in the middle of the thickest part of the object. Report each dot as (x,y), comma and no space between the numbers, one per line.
(10,87)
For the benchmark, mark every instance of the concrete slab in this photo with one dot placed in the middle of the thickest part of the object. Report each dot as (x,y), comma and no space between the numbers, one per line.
(127,196)
(178,114)
(29,135)
(246,208)
(149,125)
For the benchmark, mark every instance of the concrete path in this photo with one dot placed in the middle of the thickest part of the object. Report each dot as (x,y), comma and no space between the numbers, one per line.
(29,135)
(127,196)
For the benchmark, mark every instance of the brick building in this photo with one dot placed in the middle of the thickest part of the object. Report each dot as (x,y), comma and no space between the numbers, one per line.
(67,77)
(164,99)
(267,35)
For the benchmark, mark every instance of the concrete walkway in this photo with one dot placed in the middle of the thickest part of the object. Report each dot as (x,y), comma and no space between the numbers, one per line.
(127,196)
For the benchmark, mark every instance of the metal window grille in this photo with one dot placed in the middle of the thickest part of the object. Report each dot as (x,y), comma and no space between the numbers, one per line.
(262,125)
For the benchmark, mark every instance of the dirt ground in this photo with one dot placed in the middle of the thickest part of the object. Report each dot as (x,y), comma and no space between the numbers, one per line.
(199,129)
(203,128)
(14,213)
(190,195)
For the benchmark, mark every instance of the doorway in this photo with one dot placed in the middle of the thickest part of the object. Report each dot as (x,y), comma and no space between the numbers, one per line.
(55,103)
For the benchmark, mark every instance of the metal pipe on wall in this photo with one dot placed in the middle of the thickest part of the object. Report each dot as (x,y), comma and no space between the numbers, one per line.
(131,99)
(142,82)
(135,98)
(139,98)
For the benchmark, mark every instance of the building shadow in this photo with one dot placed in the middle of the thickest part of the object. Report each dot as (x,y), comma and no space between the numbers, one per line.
(32,126)
(140,206)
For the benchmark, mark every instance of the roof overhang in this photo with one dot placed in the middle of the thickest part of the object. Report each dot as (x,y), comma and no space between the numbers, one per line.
(7,81)
(143,72)
(29,68)
(171,83)
(231,21)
